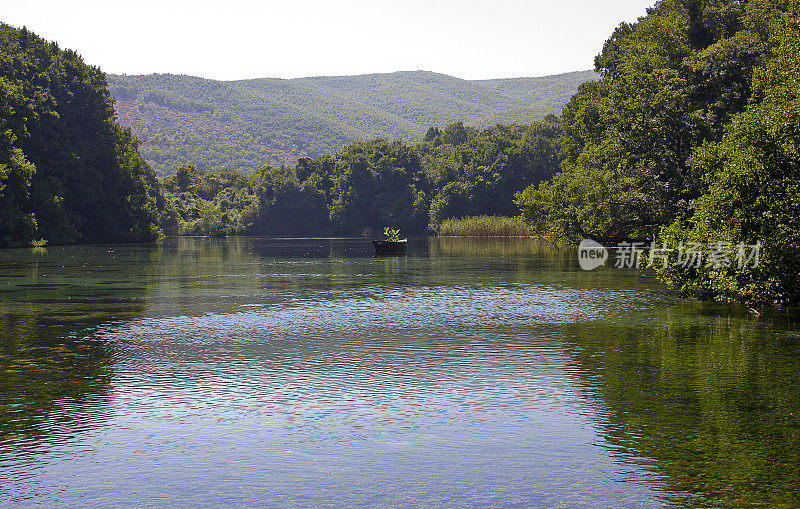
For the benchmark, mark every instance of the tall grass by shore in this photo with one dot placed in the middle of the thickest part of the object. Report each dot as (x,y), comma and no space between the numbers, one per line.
(485,226)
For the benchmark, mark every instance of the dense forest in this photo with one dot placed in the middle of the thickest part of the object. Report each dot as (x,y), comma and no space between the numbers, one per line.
(691,135)
(68,171)
(455,172)
(216,125)
(72,174)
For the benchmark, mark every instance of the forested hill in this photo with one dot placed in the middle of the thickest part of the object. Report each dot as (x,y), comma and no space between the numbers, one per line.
(244,124)
(68,171)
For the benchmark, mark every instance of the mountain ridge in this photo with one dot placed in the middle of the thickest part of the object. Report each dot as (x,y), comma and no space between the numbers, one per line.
(244,124)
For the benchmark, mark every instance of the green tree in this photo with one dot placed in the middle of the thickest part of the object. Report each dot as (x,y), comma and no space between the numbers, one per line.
(374,186)
(669,83)
(753,190)
(68,171)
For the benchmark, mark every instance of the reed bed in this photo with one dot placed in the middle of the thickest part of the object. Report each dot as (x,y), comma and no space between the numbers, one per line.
(485,226)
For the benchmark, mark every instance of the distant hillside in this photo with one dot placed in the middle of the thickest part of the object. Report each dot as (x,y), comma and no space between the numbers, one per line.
(538,96)
(244,124)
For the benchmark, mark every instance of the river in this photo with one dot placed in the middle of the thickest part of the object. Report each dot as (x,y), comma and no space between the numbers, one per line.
(306,372)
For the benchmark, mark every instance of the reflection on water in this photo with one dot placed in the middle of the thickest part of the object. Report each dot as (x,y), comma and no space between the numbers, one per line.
(710,397)
(308,372)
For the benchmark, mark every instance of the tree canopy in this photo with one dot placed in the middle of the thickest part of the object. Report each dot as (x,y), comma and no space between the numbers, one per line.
(691,136)
(68,171)
(753,189)
(670,83)
(369,184)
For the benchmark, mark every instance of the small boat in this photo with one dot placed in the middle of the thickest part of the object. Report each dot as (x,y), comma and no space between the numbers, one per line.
(390,247)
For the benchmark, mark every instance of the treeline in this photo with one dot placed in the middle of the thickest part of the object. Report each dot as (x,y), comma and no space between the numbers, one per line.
(455,172)
(68,171)
(691,136)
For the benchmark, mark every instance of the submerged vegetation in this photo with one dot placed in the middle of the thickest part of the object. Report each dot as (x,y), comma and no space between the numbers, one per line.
(485,226)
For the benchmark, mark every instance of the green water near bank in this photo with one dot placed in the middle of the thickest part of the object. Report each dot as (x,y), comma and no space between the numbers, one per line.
(470,372)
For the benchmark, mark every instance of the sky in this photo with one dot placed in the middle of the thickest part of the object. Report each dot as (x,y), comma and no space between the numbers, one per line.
(238,39)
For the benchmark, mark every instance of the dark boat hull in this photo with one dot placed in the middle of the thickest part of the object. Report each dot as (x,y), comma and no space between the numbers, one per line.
(387,247)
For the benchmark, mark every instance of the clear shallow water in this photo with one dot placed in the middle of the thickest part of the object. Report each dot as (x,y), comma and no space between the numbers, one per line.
(306,372)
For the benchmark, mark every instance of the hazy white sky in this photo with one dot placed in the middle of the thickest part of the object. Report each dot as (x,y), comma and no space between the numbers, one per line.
(247,39)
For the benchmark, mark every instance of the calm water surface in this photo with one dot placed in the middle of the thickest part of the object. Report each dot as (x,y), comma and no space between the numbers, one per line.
(306,372)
